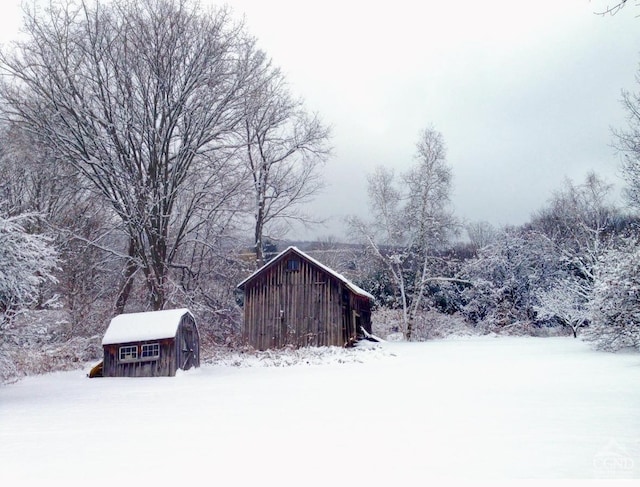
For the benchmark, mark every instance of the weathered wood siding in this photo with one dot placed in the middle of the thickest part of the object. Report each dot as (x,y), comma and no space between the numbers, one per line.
(179,352)
(164,365)
(302,307)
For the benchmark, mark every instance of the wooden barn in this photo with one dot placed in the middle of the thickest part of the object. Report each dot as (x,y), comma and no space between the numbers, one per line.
(151,344)
(296,300)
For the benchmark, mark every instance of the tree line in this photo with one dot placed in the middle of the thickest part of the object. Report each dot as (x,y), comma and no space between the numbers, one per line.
(151,152)
(573,266)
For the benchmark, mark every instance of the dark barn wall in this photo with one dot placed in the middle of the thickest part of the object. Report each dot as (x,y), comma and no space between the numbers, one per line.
(301,307)
(362,306)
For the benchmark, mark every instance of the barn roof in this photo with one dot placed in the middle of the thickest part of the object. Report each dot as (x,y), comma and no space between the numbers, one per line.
(150,325)
(351,286)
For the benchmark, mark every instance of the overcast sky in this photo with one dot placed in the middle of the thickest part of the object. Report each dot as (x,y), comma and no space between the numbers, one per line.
(524,92)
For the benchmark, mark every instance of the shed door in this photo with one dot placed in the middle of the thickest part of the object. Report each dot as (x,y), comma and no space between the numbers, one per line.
(188,349)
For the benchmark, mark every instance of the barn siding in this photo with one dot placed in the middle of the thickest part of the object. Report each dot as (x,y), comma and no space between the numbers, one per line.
(300,307)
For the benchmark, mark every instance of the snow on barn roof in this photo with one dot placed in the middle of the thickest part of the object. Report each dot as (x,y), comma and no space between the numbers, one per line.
(355,289)
(150,325)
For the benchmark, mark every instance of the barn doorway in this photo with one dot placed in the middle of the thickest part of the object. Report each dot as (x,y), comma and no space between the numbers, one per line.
(351,332)
(357,322)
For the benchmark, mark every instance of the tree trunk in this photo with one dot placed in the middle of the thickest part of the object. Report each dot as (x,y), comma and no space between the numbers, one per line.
(259,247)
(156,280)
(127,279)
(408,323)
(419,286)
(409,331)
(260,215)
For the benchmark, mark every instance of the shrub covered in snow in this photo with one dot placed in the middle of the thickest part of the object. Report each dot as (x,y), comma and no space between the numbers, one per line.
(27,260)
(37,342)
(72,354)
(615,316)
(431,324)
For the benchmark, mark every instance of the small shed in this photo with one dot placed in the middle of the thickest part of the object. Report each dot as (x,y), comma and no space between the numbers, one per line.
(151,344)
(295,300)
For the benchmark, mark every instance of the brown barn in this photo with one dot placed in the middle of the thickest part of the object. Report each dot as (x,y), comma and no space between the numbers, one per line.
(296,300)
(152,344)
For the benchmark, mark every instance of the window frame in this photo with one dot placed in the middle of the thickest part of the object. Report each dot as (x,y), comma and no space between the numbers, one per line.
(131,356)
(154,347)
(141,352)
(293,264)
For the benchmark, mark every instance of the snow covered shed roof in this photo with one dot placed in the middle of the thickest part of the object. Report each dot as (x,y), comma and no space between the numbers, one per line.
(351,286)
(150,325)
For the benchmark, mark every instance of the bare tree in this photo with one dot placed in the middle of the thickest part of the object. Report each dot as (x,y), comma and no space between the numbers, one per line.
(427,214)
(578,220)
(136,96)
(612,9)
(480,234)
(627,142)
(285,149)
(411,222)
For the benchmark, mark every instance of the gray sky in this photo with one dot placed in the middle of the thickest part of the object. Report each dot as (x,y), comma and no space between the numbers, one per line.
(524,92)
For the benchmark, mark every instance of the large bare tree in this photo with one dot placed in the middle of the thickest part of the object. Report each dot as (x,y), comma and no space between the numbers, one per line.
(285,147)
(137,96)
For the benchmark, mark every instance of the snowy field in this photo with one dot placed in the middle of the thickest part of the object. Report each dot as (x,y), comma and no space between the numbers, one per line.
(395,414)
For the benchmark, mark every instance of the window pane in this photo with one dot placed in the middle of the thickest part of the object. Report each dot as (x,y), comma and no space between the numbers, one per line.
(151,350)
(128,352)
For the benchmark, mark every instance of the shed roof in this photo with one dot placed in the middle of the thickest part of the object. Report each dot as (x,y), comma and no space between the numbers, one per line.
(150,325)
(351,286)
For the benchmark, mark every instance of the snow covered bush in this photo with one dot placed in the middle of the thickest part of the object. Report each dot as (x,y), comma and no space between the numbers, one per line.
(429,324)
(70,355)
(26,262)
(566,302)
(42,341)
(505,277)
(614,311)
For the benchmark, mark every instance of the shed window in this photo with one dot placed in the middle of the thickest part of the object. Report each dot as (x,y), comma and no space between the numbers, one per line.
(129,353)
(293,265)
(151,350)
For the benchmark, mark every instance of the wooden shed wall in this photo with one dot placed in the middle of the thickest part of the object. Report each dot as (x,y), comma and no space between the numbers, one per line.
(164,365)
(179,352)
(300,307)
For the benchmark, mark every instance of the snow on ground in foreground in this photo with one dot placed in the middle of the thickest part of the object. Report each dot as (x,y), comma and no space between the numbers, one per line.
(399,413)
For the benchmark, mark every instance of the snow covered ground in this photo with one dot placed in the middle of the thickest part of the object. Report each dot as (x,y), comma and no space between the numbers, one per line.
(395,414)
